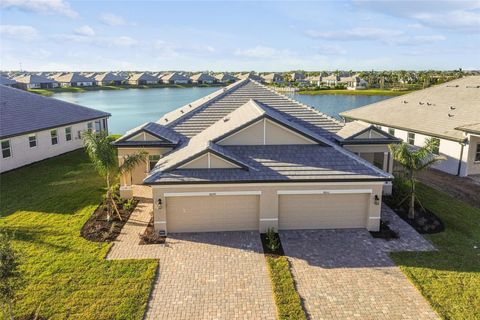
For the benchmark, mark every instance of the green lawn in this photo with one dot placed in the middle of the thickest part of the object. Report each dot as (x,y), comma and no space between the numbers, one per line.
(449,278)
(46,204)
(368,92)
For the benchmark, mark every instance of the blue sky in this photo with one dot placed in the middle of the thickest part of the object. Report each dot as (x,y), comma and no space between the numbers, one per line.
(235,36)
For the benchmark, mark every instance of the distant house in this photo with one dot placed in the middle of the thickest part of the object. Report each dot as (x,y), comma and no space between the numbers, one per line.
(331,80)
(225,78)
(354,82)
(202,78)
(251,75)
(448,113)
(175,78)
(314,80)
(140,79)
(74,79)
(4,81)
(297,77)
(273,78)
(109,78)
(33,127)
(33,81)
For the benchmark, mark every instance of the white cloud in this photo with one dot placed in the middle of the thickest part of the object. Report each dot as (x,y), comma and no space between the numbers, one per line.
(113,20)
(262,52)
(355,34)
(86,31)
(18,32)
(42,6)
(121,41)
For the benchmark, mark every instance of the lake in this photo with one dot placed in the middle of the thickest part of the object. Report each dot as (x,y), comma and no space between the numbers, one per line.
(132,107)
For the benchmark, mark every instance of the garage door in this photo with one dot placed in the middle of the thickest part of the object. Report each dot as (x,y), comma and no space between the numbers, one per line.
(321,211)
(212,213)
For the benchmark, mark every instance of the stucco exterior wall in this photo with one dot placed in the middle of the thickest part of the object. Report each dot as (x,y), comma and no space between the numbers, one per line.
(23,154)
(472,166)
(269,199)
(140,172)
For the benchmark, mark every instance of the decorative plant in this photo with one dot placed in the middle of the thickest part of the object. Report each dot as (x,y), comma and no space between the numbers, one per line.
(272,240)
(10,277)
(103,155)
(415,159)
(129,205)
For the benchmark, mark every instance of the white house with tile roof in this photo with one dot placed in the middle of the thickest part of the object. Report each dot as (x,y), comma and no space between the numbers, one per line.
(248,158)
(449,112)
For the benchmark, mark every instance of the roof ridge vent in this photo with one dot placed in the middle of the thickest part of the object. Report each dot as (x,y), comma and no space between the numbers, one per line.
(473,87)
(454,86)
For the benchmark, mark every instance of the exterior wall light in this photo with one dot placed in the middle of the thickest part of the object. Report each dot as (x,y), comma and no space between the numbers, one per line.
(159,203)
(377,200)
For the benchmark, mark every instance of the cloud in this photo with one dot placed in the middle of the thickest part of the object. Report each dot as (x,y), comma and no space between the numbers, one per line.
(41,6)
(355,34)
(86,31)
(419,40)
(120,41)
(18,32)
(113,20)
(262,52)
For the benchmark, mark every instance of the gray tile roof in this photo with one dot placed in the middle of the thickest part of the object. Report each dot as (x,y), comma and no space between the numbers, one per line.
(33,79)
(225,77)
(174,76)
(167,136)
(142,77)
(22,112)
(203,77)
(6,81)
(72,77)
(109,77)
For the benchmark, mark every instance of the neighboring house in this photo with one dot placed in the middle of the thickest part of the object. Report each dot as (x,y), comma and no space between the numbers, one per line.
(4,81)
(248,158)
(314,80)
(297,77)
(202,77)
(449,112)
(175,78)
(141,79)
(109,78)
(273,78)
(33,127)
(33,81)
(354,83)
(251,76)
(225,78)
(74,79)
(331,80)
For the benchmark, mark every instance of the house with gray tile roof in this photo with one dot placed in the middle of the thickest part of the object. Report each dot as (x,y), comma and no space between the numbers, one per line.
(175,78)
(142,79)
(4,81)
(34,127)
(203,78)
(248,158)
(74,79)
(448,112)
(273,78)
(109,78)
(225,78)
(34,81)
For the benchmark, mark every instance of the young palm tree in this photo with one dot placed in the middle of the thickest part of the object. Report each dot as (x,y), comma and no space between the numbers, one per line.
(104,157)
(415,159)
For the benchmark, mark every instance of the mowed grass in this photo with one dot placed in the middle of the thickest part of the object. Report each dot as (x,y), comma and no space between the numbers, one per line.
(287,299)
(368,92)
(449,278)
(45,205)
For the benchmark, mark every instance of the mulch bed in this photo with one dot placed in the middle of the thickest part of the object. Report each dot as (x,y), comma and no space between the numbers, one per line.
(385,232)
(99,229)
(425,221)
(266,249)
(150,236)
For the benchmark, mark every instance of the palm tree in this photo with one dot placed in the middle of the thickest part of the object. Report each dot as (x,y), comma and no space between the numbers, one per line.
(415,159)
(103,155)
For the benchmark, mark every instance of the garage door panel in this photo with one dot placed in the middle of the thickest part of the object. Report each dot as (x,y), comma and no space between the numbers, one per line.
(323,211)
(212,213)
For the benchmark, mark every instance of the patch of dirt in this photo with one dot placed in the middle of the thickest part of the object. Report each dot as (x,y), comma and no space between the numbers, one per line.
(150,236)
(99,229)
(385,232)
(267,250)
(425,221)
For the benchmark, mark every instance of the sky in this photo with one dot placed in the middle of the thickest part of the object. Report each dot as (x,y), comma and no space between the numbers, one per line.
(74,35)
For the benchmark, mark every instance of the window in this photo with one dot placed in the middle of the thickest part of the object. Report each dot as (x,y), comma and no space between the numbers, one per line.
(391,131)
(79,134)
(104,124)
(436,146)
(6,149)
(152,161)
(477,153)
(68,133)
(32,140)
(54,136)
(97,126)
(411,138)
(90,126)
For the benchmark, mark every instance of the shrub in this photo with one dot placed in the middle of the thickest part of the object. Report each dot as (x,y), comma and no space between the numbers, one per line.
(129,205)
(272,240)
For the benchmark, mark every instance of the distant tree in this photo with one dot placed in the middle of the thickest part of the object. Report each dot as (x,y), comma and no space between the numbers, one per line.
(104,157)
(10,276)
(415,159)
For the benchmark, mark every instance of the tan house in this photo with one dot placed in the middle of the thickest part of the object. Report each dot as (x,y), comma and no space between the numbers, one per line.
(249,158)
(449,113)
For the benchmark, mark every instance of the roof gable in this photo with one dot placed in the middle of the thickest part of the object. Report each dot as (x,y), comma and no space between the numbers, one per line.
(149,134)
(209,160)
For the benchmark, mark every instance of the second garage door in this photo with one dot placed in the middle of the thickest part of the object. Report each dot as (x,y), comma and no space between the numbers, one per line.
(320,211)
(212,213)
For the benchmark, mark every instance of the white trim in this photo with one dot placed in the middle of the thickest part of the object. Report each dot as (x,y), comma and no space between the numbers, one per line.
(264,185)
(332,191)
(374,218)
(208,158)
(160,222)
(212,193)
(264,131)
(269,219)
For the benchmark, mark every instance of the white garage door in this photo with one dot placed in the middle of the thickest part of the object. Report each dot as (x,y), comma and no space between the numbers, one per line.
(320,211)
(212,213)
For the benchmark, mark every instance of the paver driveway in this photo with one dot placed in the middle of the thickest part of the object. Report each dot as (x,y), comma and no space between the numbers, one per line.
(347,274)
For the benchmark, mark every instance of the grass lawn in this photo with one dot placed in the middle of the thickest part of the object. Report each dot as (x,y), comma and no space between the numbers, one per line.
(288,301)
(368,92)
(46,204)
(449,278)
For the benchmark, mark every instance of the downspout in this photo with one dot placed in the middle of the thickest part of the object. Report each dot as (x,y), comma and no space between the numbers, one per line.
(460,159)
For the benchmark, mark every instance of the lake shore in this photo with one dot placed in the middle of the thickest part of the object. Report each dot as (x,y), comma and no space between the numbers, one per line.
(368,92)
(50,92)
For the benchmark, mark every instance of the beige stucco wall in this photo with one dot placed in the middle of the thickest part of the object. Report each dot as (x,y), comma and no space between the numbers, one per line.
(473,167)
(269,199)
(140,172)
(22,154)
(208,160)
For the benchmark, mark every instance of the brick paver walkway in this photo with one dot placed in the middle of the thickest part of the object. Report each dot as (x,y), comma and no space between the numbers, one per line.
(201,275)
(347,274)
